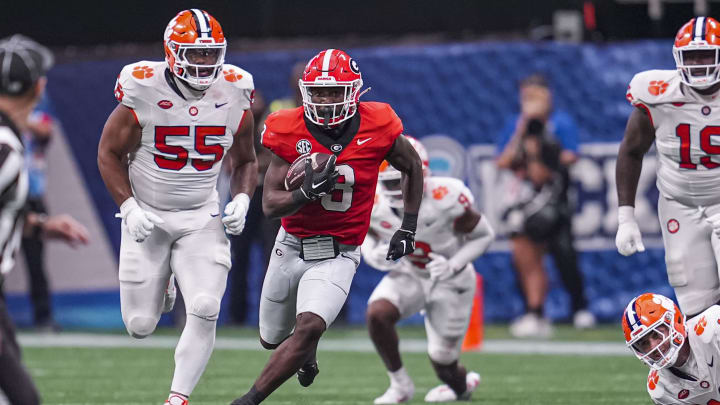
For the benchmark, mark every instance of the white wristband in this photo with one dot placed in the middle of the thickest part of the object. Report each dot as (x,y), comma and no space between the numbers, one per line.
(626,213)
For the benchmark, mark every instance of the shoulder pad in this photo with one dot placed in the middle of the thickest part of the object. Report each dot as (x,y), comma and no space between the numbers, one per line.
(654,87)
(706,325)
(380,116)
(133,78)
(655,385)
(278,130)
(237,77)
(449,194)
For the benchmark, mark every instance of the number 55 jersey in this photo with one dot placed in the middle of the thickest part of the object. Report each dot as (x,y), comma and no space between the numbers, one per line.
(687,135)
(184,137)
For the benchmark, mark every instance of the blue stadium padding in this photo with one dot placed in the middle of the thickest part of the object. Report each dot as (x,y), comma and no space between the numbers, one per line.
(466,90)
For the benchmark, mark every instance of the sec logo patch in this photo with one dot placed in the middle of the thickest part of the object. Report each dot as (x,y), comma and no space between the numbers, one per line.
(673,226)
(303,146)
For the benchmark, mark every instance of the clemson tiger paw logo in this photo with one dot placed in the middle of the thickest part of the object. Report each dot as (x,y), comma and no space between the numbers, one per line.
(231,76)
(657,87)
(700,326)
(142,72)
(440,192)
(653,379)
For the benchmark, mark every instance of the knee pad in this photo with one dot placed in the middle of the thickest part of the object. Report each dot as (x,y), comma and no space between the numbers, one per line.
(140,326)
(443,354)
(205,307)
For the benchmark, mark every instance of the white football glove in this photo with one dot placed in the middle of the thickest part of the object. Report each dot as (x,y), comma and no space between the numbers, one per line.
(439,267)
(235,213)
(138,221)
(628,239)
(375,257)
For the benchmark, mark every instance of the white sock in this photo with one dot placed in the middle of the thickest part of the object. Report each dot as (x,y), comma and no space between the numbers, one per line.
(192,353)
(399,377)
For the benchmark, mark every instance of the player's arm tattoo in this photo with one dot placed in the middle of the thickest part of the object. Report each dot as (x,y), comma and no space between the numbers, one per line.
(639,137)
(403,157)
(243,162)
(120,136)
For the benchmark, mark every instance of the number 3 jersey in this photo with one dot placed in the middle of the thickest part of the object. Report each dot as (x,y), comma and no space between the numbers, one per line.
(344,213)
(687,135)
(184,138)
(445,199)
(697,381)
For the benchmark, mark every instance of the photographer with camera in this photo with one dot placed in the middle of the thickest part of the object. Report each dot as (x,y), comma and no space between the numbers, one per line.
(539,151)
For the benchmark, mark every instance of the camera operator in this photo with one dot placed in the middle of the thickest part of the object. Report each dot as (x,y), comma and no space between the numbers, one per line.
(539,151)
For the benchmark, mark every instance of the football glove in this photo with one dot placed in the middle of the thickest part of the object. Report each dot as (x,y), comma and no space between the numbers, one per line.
(235,213)
(628,239)
(439,267)
(402,243)
(319,184)
(138,222)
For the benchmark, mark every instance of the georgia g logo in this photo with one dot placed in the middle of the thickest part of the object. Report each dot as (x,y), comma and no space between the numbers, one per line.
(303,146)
(354,66)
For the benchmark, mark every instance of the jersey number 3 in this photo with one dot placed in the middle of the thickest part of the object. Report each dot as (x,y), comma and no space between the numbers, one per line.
(215,152)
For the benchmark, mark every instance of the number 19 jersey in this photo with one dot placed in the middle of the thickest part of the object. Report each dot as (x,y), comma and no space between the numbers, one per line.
(687,135)
(184,139)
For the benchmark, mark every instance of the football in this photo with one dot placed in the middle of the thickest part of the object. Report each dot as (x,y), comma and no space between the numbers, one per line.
(296,172)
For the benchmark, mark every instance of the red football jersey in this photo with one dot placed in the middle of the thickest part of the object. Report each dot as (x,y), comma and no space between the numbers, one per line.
(345,213)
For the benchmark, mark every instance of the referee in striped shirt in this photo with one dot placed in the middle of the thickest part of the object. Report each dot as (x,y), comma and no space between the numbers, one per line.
(23,65)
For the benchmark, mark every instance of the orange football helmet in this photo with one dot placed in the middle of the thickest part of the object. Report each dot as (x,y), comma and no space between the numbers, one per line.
(654,329)
(389,177)
(701,34)
(195,48)
(331,68)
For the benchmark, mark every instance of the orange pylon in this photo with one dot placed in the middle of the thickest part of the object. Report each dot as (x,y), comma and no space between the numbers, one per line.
(474,335)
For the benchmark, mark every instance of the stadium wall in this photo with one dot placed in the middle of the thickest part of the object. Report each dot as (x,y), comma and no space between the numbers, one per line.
(456,98)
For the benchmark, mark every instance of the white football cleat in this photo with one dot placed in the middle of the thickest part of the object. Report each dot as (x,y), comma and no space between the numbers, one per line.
(584,319)
(175,399)
(443,393)
(531,326)
(170,295)
(396,394)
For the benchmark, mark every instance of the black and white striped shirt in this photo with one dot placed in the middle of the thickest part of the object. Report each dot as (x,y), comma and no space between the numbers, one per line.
(13,191)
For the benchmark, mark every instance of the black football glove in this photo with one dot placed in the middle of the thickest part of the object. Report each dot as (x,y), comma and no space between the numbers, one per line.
(401,244)
(318,184)
(403,241)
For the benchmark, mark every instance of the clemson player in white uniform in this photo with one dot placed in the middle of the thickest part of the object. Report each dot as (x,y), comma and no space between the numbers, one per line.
(683,356)
(678,110)
(175,123)
(438,277)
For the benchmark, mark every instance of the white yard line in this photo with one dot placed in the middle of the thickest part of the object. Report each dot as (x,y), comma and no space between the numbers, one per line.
(341,345)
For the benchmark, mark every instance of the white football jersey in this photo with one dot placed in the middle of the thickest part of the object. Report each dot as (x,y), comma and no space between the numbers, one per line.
(444,200)
(697,381)
(685,123)
(184,139)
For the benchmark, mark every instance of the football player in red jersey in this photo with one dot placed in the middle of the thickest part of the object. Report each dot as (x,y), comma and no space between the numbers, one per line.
(677,110)
(324,222)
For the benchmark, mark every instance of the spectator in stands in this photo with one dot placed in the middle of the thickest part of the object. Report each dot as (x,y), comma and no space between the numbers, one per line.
(23,65)
(263,229)
(539,145)
(37,139)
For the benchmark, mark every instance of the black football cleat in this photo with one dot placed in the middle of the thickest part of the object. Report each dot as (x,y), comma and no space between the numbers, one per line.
(307,373)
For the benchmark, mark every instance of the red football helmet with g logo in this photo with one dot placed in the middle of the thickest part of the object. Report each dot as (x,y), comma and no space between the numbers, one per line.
(331,68)
(195,48)
(701,34)
(653,318)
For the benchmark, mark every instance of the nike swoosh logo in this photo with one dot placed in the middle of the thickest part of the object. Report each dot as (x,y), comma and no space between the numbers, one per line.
(712,359)
(360,142)
(214,215)
(220,105)
(404,245)
(318,184)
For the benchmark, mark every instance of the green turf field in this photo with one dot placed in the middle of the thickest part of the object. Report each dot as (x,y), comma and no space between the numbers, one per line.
(96,376)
